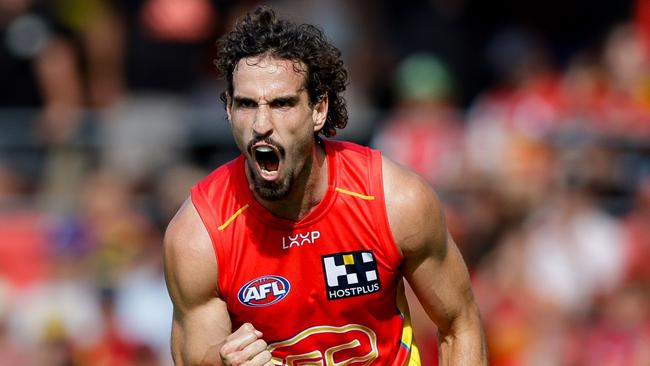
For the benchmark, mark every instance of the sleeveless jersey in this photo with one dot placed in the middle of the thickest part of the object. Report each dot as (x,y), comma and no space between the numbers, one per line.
(324,290)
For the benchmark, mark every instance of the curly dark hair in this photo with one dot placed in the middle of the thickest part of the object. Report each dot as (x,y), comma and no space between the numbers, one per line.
(263,33)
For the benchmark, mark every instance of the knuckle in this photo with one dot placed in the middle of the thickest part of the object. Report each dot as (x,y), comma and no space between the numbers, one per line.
(237,359)
(224,351)
(229,347)
(226,360)
(266,355)
(261,343)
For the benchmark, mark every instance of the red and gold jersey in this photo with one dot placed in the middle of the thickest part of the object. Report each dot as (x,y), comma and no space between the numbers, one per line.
(324,290)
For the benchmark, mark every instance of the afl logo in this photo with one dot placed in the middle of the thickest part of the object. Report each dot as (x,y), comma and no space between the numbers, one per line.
(264,291)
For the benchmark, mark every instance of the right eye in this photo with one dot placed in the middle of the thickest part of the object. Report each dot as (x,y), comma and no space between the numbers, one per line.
(245,104)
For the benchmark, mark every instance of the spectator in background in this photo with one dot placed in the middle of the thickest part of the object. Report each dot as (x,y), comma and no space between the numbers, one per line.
(114,348)
(165,54)
(38,68)
(424,131)
(627,63)
(583,90)
(574,250)
(99,32)
(126,263)
(115,232)
(509,123)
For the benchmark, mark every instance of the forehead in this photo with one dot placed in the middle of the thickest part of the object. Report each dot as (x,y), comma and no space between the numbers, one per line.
(265,76)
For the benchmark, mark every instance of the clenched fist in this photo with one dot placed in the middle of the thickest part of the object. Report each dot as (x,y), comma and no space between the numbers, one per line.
(245,346)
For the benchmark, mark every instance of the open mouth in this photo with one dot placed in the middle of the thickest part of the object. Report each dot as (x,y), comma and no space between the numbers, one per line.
(268,160)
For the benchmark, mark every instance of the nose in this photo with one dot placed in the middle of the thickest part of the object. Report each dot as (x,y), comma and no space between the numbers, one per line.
(262,125)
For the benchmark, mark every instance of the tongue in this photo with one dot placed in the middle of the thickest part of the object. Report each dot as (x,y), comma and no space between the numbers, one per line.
(268,161)
(271,165)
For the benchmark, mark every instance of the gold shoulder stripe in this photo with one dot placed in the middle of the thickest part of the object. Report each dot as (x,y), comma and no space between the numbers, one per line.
(233,217)
(355,194)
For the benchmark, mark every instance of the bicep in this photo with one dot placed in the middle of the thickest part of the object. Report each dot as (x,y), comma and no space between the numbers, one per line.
(201,321)
(432,263)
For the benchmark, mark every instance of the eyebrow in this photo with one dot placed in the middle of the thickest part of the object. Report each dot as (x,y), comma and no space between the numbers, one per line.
(281,99)
(239,100)
(292,99)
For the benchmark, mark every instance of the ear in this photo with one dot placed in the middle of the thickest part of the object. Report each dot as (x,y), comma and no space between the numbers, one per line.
(319,113)
(228,107)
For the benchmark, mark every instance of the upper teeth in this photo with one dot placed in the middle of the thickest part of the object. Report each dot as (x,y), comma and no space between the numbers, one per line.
(263,149)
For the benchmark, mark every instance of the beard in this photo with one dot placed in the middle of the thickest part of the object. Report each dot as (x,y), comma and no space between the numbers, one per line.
(272,191)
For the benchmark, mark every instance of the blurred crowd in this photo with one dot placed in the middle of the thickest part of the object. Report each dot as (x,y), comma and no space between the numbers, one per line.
(110,111)
(547,190)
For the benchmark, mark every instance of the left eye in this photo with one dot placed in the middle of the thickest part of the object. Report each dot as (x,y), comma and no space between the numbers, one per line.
(282,104)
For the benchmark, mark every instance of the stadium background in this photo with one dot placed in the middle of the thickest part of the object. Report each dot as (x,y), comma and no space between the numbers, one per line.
(531,119)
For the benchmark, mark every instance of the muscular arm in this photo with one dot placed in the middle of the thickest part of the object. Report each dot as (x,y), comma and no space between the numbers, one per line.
(201,328)
(433,266)
(201,322)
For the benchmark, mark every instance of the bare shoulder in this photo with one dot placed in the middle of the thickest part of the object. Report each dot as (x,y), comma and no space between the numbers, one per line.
(414,210)
(190,262)
(201,322)
(433,265)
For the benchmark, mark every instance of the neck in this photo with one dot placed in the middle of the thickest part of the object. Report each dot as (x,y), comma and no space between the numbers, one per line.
(308,189)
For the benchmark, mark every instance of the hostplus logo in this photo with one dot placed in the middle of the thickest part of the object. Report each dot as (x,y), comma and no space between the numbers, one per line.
(350,274)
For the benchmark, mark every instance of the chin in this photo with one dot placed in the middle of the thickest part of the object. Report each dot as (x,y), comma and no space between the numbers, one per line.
(272,191)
